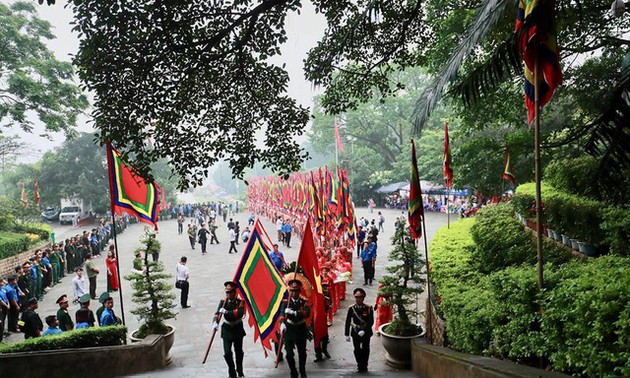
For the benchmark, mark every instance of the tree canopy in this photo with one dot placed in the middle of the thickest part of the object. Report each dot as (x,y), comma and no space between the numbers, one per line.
(33,83)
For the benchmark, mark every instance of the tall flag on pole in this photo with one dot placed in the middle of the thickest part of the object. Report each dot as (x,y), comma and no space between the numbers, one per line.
(508,171)
(129,192)
(448,170)
(23,198)
(308,261)
(339,144)
(416,208)
(37,197)
(261,286)
(318,216)
(536,36)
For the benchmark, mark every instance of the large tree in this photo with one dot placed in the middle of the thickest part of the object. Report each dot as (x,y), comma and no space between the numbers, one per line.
(33,83)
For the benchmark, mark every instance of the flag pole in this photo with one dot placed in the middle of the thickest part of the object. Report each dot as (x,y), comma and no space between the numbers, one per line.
(429,331)
(538,172)
(108,153)
(336,151)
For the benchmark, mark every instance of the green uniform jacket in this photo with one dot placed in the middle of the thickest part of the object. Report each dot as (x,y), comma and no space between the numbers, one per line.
(359,318)
(232,327)
(65,320)
(296,324)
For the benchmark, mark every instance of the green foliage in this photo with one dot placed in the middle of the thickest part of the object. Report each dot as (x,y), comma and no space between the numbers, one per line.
(78,338)
(152,292)
(616,225)
(586,320)
(12,243)
(403,283)
(32,81)
(43,230)
(451,253)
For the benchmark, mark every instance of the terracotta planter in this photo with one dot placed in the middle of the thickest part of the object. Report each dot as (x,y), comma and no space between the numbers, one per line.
(169,339)
(588,249)
(398,348)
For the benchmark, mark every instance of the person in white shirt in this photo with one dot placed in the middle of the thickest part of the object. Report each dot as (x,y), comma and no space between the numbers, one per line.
(279,228)
(78,285)
(232,236)
(182,281)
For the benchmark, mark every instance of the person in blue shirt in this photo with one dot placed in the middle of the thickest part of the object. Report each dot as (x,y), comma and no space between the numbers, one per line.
(4,306)
(107,317)
(286,230)
(277,257)
(14,306)
(368,257)
(53,326)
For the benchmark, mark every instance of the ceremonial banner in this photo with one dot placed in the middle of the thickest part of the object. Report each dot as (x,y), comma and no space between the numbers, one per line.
(508,171)
(536,36)
(37,198)
(23,197)
(416,209)
(448,170)
(307,259)
(129,192)
(339,144)
(261,286)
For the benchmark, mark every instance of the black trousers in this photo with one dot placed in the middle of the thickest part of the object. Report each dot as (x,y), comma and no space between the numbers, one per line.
(287,239)
(213,238)
(13,318)
(233,247)
(204,243)
(185,286)
(361,350)
(92,287)
(368,272)
(238,353)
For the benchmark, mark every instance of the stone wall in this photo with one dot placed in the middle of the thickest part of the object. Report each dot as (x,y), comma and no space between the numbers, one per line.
(7,266)
(431,361)
(437,330)
(108,361)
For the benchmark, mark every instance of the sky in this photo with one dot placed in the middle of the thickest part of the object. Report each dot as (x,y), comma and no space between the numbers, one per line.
(303,30)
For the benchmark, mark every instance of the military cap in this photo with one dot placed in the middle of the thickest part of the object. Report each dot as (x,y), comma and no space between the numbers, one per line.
(103,297)
(229,286)
(62,299)
(85,298)
(295,285)
(32,300)
(358,290)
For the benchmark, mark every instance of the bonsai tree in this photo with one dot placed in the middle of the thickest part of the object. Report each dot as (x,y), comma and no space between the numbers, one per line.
(403,284)
(152,292)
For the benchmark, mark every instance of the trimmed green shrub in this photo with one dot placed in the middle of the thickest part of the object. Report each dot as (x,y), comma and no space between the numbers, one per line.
(586,321)
(11,244)
(616,226)
(41,229)
(451,253)
(80,338)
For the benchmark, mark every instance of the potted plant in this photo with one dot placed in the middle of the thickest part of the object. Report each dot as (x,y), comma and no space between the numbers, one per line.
(152,293)
(402,286)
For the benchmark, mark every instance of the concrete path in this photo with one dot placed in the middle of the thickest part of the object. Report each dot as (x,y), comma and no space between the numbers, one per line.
(208,273)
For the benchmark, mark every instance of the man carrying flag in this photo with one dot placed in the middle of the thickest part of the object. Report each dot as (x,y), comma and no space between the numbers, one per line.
(293,326)
(232,332)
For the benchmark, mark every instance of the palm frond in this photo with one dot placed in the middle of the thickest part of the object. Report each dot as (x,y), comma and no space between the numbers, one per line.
(504,64)
(489,13)
(610,138)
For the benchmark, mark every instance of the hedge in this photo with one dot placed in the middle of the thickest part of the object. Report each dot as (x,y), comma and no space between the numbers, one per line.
(11,244)
(80,338)
(40,229)
(501,241)
(580,324)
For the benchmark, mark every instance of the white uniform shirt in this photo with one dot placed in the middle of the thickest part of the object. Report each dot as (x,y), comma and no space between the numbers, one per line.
(182,272)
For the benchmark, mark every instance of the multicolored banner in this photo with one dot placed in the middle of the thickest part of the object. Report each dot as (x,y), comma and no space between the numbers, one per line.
(37,197)
(261,286)
(448,170)
(416,208)
(129,192)
(337,136)
(23,197)
(508,171)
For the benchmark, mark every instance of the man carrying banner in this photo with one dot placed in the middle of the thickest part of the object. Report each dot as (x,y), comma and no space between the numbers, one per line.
(232,332)
(293,325)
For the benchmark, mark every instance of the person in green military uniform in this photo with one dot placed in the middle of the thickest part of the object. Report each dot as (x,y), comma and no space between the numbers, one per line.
(359,323)
(65,320)
(232,331)
(53,256)
(293,325)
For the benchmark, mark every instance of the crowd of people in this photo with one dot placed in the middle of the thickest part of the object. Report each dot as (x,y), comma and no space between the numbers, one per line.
(21,292)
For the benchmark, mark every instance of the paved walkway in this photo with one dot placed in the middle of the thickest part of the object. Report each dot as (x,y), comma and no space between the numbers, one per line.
(206,289)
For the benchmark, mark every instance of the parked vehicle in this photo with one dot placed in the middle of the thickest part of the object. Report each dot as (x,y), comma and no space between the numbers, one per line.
(71,210)
(51,214)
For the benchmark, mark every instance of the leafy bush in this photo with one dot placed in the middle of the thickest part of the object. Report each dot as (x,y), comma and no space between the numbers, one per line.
(80,338)
(11,244)
(573,176)
(616,226)
(40,229)
(451,253)
(587,318)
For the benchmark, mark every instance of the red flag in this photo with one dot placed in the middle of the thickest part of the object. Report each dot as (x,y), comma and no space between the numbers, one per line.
(37,198)
(508,171)
(448,171)
(318,216)
(23,198)
(129,192)
(416,208)
(339,145)
(308,261)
